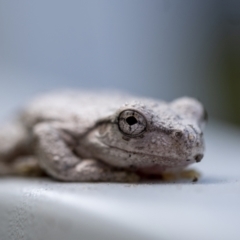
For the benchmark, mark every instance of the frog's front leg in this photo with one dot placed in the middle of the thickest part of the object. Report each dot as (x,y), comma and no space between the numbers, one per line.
(58,160)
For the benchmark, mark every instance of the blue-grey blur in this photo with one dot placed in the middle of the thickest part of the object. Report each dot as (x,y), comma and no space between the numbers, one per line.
(158,48)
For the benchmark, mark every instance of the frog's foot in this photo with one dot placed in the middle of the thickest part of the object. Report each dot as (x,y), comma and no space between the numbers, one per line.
(95,171)
(5,169)
(27,166)
(186,174)
(56,157)
(126,177)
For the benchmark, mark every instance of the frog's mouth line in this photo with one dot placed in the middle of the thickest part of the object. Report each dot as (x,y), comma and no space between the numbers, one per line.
(157,165)
(133,152)
(156,157)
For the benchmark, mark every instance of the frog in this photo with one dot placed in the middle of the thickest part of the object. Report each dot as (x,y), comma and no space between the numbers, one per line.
(94,136)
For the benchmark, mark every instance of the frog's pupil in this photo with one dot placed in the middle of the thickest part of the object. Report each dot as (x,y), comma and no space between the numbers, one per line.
(131,120)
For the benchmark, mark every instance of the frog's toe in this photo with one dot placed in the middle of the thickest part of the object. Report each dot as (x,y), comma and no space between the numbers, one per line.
(127,177)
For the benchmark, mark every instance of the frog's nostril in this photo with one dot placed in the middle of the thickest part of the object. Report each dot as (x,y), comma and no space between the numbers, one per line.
(178,134)
(198,157)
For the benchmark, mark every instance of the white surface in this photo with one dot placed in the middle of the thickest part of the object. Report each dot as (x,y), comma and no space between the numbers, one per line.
(208,209)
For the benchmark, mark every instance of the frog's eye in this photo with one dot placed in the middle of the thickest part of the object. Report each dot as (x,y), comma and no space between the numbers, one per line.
(132,123)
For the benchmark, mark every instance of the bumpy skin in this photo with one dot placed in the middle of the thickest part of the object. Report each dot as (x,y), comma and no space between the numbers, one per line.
(90,136)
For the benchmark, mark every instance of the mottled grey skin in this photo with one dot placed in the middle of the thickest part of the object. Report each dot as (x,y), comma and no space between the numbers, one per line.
(90,136)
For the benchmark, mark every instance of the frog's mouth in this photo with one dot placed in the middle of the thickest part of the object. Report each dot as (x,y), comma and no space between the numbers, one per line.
(147,162)
(134,152)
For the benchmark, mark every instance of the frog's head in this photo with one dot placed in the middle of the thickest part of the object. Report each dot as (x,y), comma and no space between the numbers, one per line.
(152,134)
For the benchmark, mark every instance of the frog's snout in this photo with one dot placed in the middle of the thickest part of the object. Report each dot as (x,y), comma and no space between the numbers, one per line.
(193,144)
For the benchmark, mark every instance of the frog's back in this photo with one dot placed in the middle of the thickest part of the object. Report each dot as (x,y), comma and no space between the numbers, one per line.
(72,106)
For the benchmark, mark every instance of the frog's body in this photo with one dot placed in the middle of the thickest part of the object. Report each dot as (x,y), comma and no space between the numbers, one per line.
(89,136)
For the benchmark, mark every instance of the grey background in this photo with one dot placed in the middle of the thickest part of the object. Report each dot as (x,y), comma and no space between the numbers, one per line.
(159,48)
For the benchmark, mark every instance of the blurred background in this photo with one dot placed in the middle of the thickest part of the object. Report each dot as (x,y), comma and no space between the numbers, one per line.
(158,48)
